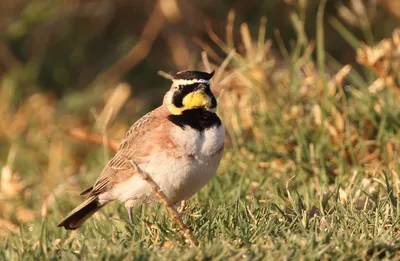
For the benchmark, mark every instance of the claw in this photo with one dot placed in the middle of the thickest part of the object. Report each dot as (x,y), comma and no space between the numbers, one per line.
(183,206)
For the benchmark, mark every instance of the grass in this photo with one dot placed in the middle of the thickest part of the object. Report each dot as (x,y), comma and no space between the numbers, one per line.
(310,171)
(243,214)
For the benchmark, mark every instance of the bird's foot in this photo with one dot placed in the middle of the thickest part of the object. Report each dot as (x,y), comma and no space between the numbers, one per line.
(183,207)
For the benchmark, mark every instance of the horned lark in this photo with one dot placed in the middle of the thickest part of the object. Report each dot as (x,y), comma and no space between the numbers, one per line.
(179,144)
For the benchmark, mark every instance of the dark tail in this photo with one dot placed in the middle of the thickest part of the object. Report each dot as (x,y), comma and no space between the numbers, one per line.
(81,213)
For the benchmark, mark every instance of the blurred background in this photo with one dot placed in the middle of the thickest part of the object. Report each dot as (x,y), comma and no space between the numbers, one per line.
(74,75)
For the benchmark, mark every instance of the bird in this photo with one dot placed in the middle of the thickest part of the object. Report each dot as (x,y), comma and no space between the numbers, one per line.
(179,144)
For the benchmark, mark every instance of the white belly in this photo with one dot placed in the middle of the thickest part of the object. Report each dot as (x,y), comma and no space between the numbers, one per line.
(179,175)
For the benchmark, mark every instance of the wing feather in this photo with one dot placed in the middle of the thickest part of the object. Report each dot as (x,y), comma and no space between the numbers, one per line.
(118,168)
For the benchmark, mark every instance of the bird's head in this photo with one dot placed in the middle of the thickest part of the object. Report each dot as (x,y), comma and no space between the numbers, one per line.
(190,90)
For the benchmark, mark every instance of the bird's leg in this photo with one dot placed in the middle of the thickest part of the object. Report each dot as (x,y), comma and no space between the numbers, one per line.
(129,209)
(129,206)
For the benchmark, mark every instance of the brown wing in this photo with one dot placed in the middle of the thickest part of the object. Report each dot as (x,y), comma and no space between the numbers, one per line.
(118,168)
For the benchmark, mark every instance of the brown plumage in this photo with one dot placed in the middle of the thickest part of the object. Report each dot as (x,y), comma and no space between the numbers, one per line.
(180,147)
(118,168)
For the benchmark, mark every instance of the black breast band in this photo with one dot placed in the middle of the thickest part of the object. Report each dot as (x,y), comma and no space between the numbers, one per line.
(198,119)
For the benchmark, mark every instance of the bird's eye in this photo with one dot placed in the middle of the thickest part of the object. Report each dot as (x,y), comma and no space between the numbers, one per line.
(179,87)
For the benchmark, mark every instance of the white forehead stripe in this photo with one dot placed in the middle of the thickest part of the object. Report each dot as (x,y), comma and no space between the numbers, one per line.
(188,82)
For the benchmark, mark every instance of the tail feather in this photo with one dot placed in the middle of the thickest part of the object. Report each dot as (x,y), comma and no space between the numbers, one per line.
(81,213)
(86,191)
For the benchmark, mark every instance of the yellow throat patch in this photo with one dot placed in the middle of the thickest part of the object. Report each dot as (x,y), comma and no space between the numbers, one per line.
(191,101)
